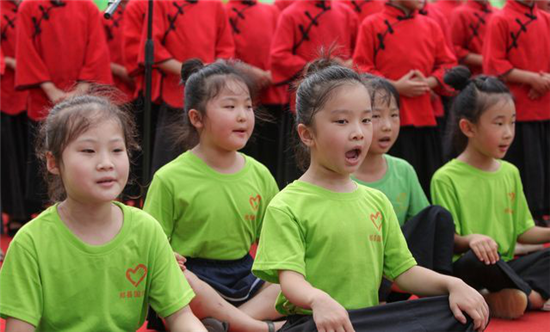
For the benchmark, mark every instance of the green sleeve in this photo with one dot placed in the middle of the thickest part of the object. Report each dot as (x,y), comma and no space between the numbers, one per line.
(20,285)
(443,195)
(160,205)
(281,247)
(523,218)
(169,290)
(397,257)
(418,201)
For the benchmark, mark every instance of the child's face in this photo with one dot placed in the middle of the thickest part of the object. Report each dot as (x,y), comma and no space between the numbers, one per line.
(229,120)
(495,130)
(342,130)
(94,167)
(385,123)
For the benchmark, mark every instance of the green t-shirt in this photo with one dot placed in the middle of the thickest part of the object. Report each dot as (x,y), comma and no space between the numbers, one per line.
(207,214)
(401,186)
(489,203)
(342,243)
(56,282)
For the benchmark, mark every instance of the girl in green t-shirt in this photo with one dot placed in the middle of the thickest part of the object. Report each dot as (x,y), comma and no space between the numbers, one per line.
(485,196)
(211,199)
(89,263)
(428,229)
(328,241)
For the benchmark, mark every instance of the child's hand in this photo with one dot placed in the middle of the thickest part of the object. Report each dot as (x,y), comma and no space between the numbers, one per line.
(329,315)
(540,83)
(410,87)
(533,94)
(463,298)
(485,248)
(181,261)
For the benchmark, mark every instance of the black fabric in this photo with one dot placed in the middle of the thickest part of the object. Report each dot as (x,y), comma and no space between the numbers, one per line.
(421,147)
(232,279)
(164,150)
(430,238)
(13,156)
(530,153)
(534,269)
(36,189)
(264,143)
(423,315)
(287,168)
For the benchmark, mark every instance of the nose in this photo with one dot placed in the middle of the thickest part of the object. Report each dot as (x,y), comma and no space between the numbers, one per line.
(509,131)
(105,162)
(241,114)
(385,124)
(357,133)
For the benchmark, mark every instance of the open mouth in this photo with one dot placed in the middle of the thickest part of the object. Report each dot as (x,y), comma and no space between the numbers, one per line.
(353,155)
(106,181)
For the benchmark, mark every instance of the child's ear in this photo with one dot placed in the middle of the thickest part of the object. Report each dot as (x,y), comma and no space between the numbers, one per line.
(306,136)
(51,164)
(195,117)
(466,127)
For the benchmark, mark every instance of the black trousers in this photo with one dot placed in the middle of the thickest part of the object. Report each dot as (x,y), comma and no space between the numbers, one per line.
(287,168)
(421,147)
(164,148)
(36,188)
(427,314)
(525,273)
(530,153)
(429,236)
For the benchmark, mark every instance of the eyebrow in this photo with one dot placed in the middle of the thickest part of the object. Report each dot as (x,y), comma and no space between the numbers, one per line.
(93,140)
(235,98)
(503,116)
(368,110)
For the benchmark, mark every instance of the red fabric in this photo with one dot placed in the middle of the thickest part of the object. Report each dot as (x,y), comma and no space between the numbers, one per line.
(417,42)
(336,24)
(468,27)
(282,4)
(113,33)
(2,63)
(11,101)
(434,13)
(200,30)
(69,47)
(530,51)
(365,8)
(253,25)
(446,7)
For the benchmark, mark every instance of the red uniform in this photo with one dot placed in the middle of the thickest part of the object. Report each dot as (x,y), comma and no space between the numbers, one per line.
(306,27)
(390,44)
(185,30)
(60,42)
(113,32)
(519,37)
(468,27)
(11,101)
(282,4)
(364,8)
(446,7)
(253,25)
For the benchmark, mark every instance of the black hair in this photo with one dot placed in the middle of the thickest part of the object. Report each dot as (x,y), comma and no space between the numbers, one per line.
(320,78)
(69,119)
(476,95)
(202,84)
(379,85)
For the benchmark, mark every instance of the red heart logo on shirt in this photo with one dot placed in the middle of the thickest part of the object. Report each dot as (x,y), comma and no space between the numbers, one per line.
(512,195)
(255,202)
(374,218)
(136,276)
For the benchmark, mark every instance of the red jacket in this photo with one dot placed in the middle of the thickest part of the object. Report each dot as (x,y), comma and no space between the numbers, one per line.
(186,29)
(60,43)
(253,25)
(364,8)
(390,44)
(519,37)
(446,7)
(11,101)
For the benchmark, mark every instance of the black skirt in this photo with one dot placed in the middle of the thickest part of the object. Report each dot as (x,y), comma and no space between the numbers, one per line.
(530,153)
(14,155)
(421,147)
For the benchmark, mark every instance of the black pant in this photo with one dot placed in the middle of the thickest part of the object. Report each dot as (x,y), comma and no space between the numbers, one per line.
(525,273)
(164,148)
(427,314)
(429,236)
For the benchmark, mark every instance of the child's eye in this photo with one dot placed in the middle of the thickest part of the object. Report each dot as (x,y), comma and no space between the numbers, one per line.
(368,120)
(118,150)
(376,116)
(395,115)
(229,106)
(87,151)
(341,121)
(499,123)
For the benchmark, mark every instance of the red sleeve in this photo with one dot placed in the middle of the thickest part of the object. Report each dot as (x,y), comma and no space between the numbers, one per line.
(2,63)
(354,27)
(284,64)
(225,46)
(97,65)
(31,70)
(495,60)
(458,35)
(363,56)
(444,59)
